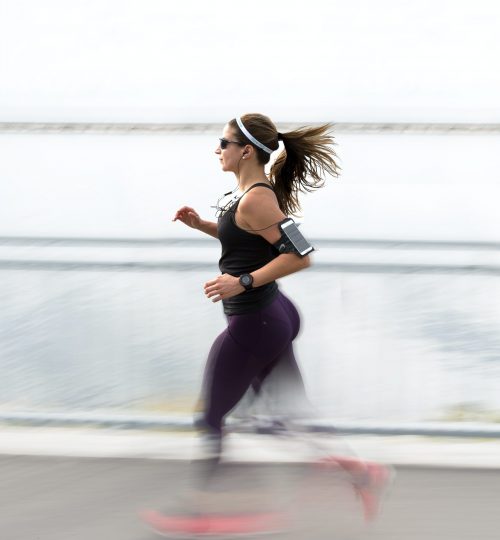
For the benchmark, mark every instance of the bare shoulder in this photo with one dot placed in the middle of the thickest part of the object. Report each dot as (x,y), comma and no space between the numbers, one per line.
(259,202)
(259,209)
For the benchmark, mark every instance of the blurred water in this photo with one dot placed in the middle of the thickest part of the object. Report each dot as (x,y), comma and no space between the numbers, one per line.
(404,345)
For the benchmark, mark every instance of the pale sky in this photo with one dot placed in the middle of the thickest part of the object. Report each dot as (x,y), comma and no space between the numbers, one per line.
(161,61)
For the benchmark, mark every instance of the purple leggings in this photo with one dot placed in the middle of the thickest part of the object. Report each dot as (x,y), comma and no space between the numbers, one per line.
(245,354)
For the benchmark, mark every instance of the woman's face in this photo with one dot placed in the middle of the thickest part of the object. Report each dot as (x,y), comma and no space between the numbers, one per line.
(230,156)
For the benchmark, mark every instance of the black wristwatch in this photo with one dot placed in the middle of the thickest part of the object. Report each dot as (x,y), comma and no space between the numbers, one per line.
(246,280)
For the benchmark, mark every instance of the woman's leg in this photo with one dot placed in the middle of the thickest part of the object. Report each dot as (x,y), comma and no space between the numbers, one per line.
(250,344)
(283,377)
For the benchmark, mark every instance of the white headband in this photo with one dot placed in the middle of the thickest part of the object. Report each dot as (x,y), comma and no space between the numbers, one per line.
(250,137)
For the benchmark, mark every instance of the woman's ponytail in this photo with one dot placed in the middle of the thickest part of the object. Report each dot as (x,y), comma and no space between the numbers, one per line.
(308,155)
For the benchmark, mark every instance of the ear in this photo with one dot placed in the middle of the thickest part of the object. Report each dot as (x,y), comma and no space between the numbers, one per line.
(248,150)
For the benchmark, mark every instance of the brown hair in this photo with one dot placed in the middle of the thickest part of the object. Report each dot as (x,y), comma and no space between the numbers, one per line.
(299,168)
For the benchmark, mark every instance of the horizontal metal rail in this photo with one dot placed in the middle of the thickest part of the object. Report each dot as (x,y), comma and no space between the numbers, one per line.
(145,266)
(195,128)
(431,429)
(53,241)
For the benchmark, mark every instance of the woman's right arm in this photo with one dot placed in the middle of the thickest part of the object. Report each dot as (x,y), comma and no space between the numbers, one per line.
(191,218)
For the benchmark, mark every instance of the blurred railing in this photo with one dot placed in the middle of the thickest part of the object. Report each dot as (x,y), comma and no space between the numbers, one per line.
(198,128)
(347,255)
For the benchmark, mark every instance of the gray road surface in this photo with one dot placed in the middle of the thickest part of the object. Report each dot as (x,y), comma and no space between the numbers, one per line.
(54,498)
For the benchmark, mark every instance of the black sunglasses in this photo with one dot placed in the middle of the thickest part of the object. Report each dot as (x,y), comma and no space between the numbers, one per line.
(224,142)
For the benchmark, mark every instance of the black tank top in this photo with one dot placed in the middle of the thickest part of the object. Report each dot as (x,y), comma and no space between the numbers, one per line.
(243,253)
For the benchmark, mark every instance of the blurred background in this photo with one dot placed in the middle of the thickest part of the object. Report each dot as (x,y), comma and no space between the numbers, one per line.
(110,113)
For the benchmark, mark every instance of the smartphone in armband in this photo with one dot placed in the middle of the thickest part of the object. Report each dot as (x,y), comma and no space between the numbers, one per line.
(292,233)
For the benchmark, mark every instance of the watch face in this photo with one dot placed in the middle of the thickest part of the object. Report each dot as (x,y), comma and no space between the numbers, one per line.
(246,280)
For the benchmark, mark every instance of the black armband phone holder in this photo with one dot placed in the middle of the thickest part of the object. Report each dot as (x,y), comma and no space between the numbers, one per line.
(292,240)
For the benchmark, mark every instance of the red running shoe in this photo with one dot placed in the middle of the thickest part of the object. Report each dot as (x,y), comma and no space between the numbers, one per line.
(370,489)
(369,480)
(213,525)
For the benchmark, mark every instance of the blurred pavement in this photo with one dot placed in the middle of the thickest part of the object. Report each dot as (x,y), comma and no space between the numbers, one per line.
(90,483)
(75,498)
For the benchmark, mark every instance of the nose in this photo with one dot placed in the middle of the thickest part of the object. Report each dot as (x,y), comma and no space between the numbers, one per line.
(217,150)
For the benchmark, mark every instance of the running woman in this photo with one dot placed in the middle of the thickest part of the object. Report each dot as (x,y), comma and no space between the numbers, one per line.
(262,321)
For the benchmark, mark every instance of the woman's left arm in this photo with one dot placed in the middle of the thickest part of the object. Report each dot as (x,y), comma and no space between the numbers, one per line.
(283,265)
(258,211)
